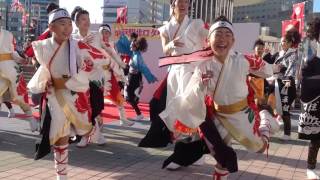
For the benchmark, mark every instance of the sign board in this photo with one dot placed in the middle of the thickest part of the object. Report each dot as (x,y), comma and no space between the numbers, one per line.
(142,30)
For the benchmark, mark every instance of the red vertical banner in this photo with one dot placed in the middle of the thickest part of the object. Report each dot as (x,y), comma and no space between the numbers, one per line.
(289,24)
(122,17)
(298,11)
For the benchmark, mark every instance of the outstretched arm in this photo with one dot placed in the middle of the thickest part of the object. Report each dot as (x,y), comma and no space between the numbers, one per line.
(258,67)
(139,64)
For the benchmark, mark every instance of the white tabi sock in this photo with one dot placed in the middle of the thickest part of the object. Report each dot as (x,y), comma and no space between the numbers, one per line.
(220,174)
(266,116)
(34,124)
(61,161)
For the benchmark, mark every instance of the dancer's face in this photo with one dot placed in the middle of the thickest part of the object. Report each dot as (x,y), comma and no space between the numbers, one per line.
(62,29)
(285,45)
(259,50)
(181,7)
(221,41)
(83,22)
(105,35)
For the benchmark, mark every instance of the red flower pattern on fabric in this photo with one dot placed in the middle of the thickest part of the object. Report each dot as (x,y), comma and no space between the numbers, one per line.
(254,107)
(82,103)
(87,65)
(21,86)
(94,52)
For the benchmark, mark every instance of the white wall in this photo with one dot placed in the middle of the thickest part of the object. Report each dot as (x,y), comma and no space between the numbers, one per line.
(151,58)
(246,34)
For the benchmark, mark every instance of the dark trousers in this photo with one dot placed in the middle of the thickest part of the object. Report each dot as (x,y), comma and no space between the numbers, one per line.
(135,81)
(286,101)
(96,101)
(8,104)
(313,153)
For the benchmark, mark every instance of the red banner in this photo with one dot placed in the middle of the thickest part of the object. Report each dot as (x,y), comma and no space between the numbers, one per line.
(122,15)
(298,11)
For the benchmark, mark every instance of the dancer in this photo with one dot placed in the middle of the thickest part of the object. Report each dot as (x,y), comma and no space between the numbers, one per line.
(11,78)
(99,80)
(222,75)
(114,90)
(137,68)
(65,66)
(259,85)
(308,126)
(285,73)
(180,35)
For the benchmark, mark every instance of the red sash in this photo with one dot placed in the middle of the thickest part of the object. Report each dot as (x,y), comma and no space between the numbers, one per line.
(201,55)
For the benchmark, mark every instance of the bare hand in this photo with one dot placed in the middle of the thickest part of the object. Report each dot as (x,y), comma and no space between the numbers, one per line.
(88,39)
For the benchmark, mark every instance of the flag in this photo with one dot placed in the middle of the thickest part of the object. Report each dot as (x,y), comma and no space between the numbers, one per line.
(298,11)
(122,15)
(316,6)
(17,6)
(289,24)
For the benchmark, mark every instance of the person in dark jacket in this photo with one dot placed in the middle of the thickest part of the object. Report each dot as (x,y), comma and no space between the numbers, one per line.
(309,120)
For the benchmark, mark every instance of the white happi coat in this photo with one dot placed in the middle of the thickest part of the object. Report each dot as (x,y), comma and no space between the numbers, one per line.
(69,107)
(9,70)
(193,34)
(111,62)
(231,88)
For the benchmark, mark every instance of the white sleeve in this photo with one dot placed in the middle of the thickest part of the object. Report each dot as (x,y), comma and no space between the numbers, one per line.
(188,106)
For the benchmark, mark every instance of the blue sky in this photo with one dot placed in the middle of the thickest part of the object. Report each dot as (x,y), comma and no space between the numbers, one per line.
(93,6)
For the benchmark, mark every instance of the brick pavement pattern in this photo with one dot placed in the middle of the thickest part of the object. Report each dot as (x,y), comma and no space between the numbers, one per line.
(121,159)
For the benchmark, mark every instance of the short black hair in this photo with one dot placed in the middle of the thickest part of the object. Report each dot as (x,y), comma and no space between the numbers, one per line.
(78,11)
(133,36)
(51,7)
(103,25)
(222,18)
(141,44)
(293,36)
(314,29)
(258,42)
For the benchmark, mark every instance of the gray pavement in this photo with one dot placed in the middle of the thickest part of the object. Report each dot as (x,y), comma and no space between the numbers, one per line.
(121,159)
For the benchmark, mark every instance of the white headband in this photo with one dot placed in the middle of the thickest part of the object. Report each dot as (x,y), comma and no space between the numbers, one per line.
(220,24)
(58,14)
(104,28)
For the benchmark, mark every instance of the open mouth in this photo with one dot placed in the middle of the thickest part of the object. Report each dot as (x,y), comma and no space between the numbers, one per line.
(221,46)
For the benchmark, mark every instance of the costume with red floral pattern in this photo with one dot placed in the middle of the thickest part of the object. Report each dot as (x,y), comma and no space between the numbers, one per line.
(11,77)
(68,68)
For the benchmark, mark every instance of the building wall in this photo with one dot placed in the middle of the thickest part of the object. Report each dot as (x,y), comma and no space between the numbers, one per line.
(12,20)
(208,10)
(269,13)
(139,11)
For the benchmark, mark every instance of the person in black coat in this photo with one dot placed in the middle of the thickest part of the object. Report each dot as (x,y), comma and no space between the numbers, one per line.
(309,120)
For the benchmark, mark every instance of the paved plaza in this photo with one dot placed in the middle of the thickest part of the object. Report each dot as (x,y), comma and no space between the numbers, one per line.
(121,159)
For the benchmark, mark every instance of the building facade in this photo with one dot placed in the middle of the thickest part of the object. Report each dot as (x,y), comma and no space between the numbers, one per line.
(36,23)
(139,11)
(208,10)
(10,20)
(158,11)
(270,13)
